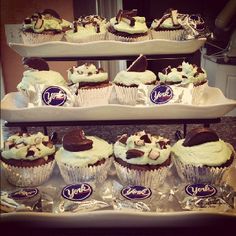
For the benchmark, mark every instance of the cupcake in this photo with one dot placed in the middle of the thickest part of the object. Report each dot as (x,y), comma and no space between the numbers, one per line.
(128,27)
(202,157)
(142,159)
(42,86)
(168,26)
(127,81)
(87,29)
(186,76)
(92,84)
(28,159)
(83,158)
(44,27)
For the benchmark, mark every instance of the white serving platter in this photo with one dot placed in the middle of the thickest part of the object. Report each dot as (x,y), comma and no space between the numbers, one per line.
(213,105)
(105,48)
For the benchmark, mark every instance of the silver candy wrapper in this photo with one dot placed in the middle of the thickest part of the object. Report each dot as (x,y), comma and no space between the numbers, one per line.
(83,197)
(133,198)
(25,199)
(151,95)
(204,197)
(44,95)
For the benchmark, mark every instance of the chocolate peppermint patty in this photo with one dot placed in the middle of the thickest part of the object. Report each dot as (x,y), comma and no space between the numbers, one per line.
(142,167)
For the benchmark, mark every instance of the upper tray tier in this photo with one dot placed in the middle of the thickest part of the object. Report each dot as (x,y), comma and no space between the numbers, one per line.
(105,48)
(213,105)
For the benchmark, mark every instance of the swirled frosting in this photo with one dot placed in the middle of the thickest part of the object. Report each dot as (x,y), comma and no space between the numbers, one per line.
(122,26)
(135,78)
(86,73)
(45,21)
(27,147)
(33,77)
(209,153)
(100,150)
(155,152)
(184,74)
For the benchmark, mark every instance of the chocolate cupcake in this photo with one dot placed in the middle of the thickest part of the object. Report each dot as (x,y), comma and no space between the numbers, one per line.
(92,84)
(28,159)
(87,29)
(202,156)
(127,81)
(84,158)
(44,26)
(128,27)
(142,159)
(168,26)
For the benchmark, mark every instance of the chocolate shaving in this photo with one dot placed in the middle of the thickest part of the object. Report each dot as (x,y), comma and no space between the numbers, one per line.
(139,65)
(134,153)
(146,138)
(123,139)
(36,63)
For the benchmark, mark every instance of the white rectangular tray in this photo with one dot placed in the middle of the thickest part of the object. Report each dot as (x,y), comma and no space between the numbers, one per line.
(104,48)
(213,105)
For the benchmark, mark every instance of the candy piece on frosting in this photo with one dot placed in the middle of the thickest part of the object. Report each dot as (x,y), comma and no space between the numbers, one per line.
(123,138)
(76,141)
(51,12)
(36,63)
(139,65)
(133,153)
(199,136)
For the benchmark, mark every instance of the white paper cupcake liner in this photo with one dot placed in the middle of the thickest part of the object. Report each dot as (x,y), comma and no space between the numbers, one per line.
(28,176)
(126,95)
(150,178)
(198,92)
(74,174)
(167,34)
(197,174)
(33,38)
(73,37)
(111,36)
(94,97)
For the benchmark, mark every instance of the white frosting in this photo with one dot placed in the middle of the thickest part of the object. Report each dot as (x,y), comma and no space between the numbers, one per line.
(33,77)
(210,153)
(86,73)
(100,150)
(187,71)
(120,150)
(139,27)
(25,143)
(129,77)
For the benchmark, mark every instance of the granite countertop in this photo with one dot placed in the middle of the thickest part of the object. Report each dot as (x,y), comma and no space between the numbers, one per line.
(226,130)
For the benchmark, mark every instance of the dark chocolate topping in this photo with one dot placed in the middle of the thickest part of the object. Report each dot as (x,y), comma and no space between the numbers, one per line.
(134,153)
(199,136)
(139,65)
(76,141)
(123,138)
(36,63)
(52,13)
(146,138)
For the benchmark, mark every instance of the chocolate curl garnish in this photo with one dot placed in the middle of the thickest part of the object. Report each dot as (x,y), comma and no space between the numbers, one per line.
(52,13)
(134,153)
(131,13)
(129,20)
(8,145)
(27,20)
(139,65)
(38,24)
(199,136)
(123,139)
(146,138)
(36,63)
(75,26)
(153,154)
(119,15)
(128,15)
(53,137)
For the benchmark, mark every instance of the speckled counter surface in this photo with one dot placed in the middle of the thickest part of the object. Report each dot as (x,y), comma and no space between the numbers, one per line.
(226,130)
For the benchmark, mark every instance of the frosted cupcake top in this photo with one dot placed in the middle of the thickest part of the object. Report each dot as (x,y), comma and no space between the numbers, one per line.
(88,25)
(129,22)
(142,148)
(24,146)
(184,74)
(202,147)
(86,73)
(136,74)
(38,72)
(48,20)
(80,150)
(168,21)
